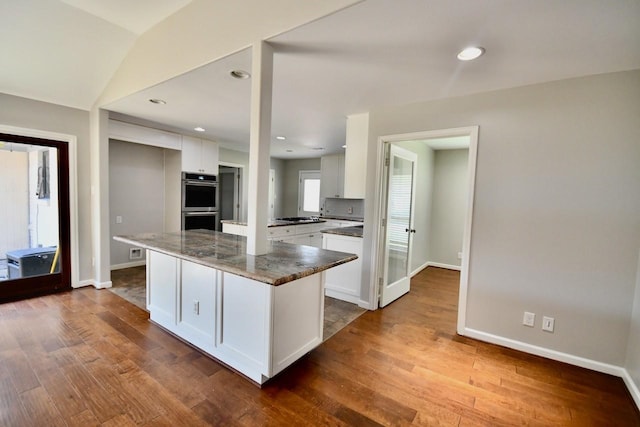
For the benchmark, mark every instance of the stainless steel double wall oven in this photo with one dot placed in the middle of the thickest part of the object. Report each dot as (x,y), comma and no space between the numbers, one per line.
(200,201)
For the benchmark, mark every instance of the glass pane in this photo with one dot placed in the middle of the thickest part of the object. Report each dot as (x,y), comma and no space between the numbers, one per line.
(311,195)
(29,230)
(399,218)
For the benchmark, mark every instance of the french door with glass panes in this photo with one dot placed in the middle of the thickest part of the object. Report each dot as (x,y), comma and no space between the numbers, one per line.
(34,217)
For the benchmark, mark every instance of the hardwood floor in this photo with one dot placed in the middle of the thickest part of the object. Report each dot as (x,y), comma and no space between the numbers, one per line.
(89,357)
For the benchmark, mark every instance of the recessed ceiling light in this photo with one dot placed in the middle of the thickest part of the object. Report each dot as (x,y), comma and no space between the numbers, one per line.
(281,138)
(289,151)
(199,129)
(344,146)
(239,74)
(158,101)
(470,53)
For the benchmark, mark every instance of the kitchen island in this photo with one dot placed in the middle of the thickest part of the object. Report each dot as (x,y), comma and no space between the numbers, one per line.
(343,282)
(256,314)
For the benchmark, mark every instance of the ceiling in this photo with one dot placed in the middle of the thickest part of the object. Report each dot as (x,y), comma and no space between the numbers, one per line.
(375,54)
(66,51)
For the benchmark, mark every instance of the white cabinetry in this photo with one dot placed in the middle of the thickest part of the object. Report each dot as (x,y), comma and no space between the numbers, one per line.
(199,155)
(253,327)
(143,135)
(343,282)
(302,234)
(197,304)
(331,176)
(355,156)
(162,281)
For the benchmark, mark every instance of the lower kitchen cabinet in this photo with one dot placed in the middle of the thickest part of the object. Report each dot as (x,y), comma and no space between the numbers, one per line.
(253,327)
(197,304)
(343,282)
(162,286)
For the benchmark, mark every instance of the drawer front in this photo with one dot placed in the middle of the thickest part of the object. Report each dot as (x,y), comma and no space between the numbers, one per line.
(309,228)
(287,230)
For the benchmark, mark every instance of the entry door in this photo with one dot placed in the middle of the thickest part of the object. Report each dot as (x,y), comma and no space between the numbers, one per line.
(34,217)
(401,173)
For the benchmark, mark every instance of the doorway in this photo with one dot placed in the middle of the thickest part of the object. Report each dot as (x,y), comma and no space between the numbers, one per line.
(35,219)
(230,187)
(383,239)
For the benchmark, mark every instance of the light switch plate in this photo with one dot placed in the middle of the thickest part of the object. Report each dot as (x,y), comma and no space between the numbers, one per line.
(529,319)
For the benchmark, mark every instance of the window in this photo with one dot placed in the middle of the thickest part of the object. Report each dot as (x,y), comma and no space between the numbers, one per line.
(309,193)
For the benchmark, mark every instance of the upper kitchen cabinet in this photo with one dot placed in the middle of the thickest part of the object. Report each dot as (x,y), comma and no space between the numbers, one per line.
(199,155)
(128,132)
(331,176)
(356,155)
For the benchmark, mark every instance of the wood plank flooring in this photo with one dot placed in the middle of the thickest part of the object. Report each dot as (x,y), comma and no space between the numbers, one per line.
(89,358)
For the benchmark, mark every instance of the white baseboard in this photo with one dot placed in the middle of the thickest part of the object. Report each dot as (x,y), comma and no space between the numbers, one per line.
(441,265)
(419,269)
(343,296)
(632,387)
(546,352)
(594,365)
(128,265)
(82,283)
(102,285)
(366,305)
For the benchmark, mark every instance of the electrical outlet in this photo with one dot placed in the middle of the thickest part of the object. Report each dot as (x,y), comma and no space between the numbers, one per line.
(196,307)
(350,210)
(548,323)
(118,219)
(529,319)
(135,253)
(459,255)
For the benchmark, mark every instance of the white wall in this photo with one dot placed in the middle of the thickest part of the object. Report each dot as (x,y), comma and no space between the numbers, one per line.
(136,192)
(556,229)
(421,254)
(29,114)
(14,205)
(449,206)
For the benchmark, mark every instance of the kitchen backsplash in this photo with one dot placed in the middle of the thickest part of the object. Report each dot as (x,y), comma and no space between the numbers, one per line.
(344,208)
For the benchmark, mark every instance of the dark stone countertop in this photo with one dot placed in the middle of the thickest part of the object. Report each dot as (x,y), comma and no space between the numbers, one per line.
(342,218)
(283,263)
(276,222)
(355,231)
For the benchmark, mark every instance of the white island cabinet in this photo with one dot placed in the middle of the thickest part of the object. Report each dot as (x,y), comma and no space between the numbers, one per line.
(343,282)
(256,328)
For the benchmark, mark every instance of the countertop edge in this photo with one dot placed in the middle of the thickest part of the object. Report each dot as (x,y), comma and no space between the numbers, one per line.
(239,271)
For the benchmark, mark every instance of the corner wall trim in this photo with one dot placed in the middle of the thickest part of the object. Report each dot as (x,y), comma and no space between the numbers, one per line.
(632,387)
(128,265)
(419,269)
(102,285)
(546,352)
(440,265)
(82,283)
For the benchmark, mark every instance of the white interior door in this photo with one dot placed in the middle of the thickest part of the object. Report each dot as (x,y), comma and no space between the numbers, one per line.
(400,190)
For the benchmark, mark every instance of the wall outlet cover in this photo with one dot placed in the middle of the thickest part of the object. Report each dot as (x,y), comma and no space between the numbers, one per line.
(135,253)
(548,323)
